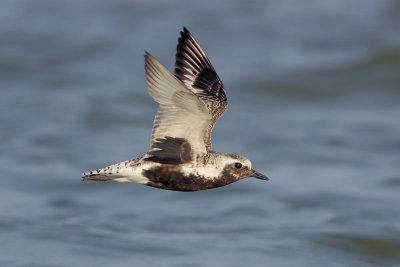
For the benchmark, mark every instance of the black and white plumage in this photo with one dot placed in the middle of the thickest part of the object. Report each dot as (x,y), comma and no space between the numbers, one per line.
(191,102)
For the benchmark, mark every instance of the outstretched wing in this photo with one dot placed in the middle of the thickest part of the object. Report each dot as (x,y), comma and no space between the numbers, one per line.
(182,115)
(195,70)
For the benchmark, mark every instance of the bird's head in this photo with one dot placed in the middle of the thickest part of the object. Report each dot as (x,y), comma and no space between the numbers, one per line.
(239,167)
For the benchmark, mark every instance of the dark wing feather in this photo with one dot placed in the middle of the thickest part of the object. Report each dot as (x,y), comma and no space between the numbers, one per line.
(195,70)
(170,150)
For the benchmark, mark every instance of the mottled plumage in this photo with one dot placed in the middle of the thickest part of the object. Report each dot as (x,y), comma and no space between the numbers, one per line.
(180,156)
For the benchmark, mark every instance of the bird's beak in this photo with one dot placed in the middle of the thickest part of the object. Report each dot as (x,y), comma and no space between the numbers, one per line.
(258,175)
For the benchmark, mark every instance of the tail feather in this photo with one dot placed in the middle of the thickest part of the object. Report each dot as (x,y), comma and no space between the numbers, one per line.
(109,173)
(100,177)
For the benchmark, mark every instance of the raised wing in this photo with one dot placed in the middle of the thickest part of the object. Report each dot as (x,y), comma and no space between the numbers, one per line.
(195,70)
(182,115)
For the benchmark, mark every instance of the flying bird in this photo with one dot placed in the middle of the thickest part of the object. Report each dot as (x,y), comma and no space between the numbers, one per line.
(181,157)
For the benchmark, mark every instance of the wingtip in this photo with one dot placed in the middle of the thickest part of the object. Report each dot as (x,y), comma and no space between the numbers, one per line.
(149,60)
(185,34)
(185,30)
(147,55)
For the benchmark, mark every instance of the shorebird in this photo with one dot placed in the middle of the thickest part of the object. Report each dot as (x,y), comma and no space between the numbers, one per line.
(181,157)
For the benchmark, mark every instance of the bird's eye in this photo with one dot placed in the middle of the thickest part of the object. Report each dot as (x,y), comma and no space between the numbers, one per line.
(238,165)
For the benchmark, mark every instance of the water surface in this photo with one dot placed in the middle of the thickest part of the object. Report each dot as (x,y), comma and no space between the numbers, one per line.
(314,101)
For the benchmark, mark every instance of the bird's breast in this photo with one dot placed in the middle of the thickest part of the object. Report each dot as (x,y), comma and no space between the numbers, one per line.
(179,178)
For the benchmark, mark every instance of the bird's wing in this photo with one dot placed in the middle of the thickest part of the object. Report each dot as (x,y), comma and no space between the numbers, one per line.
(195,70)
(182,119)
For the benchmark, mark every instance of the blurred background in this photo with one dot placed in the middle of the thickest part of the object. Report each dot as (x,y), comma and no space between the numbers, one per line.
(314,103)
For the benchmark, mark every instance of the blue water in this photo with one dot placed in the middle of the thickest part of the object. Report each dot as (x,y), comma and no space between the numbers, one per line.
(314,102)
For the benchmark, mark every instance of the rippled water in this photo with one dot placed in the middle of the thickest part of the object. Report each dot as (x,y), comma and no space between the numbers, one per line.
(314,102)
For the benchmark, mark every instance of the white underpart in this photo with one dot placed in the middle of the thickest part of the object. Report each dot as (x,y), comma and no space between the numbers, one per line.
(133,177)
(134,173)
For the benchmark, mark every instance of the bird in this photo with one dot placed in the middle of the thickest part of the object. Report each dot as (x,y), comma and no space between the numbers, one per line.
(191,100)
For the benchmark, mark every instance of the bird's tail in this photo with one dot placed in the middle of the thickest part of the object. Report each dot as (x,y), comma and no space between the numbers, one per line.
(116,172)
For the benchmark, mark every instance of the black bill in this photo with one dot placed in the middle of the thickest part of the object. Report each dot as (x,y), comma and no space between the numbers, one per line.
(259,175)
